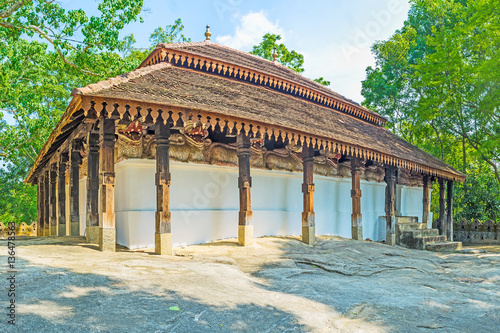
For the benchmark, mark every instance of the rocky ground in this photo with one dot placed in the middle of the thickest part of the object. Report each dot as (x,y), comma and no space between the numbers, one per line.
(277,285)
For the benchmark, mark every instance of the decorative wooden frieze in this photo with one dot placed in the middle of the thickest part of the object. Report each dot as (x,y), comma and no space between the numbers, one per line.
(178,117)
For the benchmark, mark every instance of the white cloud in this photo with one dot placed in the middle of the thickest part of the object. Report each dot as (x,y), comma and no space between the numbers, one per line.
(250,31)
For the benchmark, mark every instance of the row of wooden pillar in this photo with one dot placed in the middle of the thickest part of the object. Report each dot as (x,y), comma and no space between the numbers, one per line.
(100,223)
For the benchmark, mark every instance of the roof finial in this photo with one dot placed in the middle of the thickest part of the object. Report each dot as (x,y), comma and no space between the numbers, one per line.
(207,33)
(275,56)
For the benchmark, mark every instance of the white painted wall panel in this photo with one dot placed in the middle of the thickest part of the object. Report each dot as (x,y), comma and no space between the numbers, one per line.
(204,203)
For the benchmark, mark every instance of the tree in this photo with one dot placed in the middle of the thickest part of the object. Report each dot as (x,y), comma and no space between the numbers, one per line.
(436,79)
(291,59)
(46,52)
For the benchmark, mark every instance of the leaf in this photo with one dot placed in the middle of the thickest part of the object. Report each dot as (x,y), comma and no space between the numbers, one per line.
(174,308)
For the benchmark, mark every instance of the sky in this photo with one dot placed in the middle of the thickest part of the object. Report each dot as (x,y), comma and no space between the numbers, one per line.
(334,36)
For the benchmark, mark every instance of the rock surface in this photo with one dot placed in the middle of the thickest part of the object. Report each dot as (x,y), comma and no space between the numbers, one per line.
(277,285)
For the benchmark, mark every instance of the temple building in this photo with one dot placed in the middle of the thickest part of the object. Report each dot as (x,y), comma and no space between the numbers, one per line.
(204,142)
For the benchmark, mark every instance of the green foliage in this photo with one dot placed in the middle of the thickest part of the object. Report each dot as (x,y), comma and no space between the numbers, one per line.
(171,34)
(322,81)
(46,52)
(290,59)
(436,79)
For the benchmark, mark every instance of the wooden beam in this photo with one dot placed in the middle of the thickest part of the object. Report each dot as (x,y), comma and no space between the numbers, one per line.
(449,208)
(107,228)
(53,200)
(74,186)
(442,208)
(426,199)
(308,224)
(46,203)
(40,206)
(61,195)
(92,217)
(163,230)
(245,226)
(356,218)
(390,205)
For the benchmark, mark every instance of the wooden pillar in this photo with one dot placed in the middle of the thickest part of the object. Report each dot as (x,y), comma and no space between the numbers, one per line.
(163,229)
(426,200)
(390,205)
(74,187)
(61,196)
(308,225)
(40,206)
(356,218)
(449,208)
(53,200)
(245,225)
(442,208)
(107,228)
(92,217)
(46,204)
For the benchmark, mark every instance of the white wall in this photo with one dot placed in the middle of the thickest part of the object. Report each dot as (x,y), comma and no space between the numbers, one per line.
(205,204)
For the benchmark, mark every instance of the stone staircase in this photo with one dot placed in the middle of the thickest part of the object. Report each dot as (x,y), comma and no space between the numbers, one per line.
(414,235)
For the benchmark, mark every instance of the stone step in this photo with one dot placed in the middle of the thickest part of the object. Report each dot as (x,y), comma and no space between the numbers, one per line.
(407,240)
(444,246)
(410,226)
(422,232)
(406,219)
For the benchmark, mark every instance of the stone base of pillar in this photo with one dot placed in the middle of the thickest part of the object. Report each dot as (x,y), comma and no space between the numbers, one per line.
(92,235)
(74,229)
(61,230)
(357,233)
(309,235)
(53,230)
(107,239)
(245,235)
(163,244)
(390,238)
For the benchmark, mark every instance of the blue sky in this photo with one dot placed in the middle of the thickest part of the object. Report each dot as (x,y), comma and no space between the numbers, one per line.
(334,36)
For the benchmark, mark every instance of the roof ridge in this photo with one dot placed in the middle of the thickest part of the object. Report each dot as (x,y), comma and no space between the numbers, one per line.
(122,78)
(205,42)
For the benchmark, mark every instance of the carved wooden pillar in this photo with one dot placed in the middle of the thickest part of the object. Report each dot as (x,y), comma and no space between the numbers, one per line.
(74,187)
(390,205)
(53,200)
(163,229)
(356,218)
(449,208)
(40,206)
(442,208)
(425,200)
(107,228)
(245,226)
(46,204)
(308,225)
(61,196)
(92,217)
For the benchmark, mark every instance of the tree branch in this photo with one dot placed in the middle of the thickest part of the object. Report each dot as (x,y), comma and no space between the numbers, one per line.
(8,12)
(50,40)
